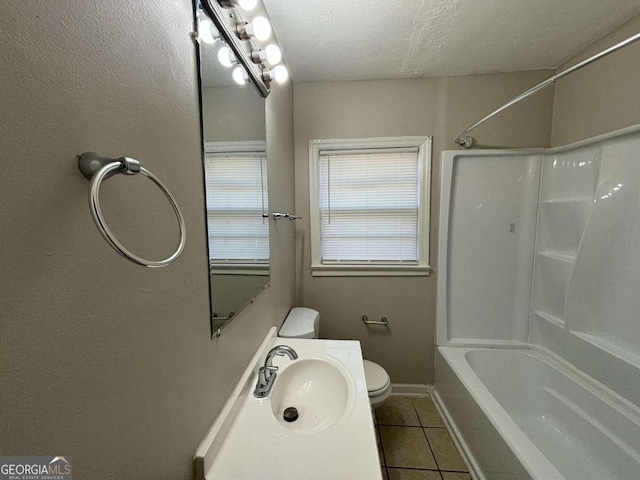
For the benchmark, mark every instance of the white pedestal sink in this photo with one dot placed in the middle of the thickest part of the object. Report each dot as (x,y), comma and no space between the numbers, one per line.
(332,438)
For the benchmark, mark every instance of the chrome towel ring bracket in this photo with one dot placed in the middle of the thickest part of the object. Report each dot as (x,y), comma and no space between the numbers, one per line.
(97,167)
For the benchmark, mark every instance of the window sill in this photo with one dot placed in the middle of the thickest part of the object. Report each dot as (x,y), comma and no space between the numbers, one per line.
(369,271)
(239,270)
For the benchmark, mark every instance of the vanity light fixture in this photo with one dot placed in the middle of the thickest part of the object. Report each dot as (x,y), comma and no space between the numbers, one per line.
(258,28)
(225,57)
(270,55)
(279,73)
(239,75)
(206,30)
(246,5)
(242,39)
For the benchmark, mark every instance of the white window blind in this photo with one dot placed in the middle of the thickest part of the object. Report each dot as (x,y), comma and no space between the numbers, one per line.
(369,206)
(236,191)
(369,202)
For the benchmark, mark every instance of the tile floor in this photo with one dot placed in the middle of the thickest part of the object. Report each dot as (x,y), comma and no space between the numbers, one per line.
(413,442)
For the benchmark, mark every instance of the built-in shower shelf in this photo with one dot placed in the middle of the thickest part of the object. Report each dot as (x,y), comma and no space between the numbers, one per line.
(585,199)
(569,257)
(550,318)
(620,352)
(552,273)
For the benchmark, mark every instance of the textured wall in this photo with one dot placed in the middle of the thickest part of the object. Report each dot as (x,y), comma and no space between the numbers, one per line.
(440,107)
(101,359)
(602,97)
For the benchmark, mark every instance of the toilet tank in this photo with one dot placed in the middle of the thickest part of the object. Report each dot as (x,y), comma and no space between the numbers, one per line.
(300,323)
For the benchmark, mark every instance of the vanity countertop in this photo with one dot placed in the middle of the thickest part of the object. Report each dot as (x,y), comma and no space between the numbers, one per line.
(334,437)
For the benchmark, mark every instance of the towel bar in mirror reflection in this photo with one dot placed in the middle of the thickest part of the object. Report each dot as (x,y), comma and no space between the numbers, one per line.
(278,216)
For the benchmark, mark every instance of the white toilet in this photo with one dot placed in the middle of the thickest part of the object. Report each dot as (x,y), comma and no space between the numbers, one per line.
(304,322)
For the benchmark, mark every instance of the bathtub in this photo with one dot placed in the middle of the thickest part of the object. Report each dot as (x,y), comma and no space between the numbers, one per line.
(523,414)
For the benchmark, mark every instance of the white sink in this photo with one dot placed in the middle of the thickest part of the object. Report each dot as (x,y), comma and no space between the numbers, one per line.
(333,436)
(321,390)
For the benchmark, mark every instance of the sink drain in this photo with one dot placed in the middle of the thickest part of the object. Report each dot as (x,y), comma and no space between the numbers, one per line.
(290,414)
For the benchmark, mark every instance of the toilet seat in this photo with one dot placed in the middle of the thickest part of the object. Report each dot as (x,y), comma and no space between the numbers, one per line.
(376,378)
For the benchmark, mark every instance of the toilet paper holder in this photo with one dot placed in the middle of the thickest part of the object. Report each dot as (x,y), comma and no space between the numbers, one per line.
(382,321)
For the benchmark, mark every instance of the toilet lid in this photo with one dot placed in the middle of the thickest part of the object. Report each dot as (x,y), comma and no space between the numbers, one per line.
(376,377)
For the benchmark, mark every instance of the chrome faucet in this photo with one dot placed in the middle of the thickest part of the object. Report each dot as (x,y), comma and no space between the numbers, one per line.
(267,374)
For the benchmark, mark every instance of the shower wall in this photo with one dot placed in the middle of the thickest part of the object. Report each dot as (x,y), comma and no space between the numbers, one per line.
(586,287)
(489,200)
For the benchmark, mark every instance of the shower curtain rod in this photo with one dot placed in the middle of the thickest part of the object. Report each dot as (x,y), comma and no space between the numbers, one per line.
(466,140)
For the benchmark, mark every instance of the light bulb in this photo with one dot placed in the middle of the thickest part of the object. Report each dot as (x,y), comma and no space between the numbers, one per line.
(280,73)
(247,5)
(224,56)
(260,28)
(239,76)
(205,30)
(274,55)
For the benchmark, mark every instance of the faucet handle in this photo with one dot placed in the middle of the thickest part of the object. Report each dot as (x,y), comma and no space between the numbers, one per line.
(266,376)
(267,371)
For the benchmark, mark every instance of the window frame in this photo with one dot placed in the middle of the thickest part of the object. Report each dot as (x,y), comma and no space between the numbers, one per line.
(424,145)
(231,268)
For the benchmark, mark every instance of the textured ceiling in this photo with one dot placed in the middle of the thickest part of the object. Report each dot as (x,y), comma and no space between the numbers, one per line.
(364,39)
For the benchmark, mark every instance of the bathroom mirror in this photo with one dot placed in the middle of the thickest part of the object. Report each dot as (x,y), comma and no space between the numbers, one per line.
(235,166)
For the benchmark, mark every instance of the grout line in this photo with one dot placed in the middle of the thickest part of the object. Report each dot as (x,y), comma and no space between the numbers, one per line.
(420,469)
(417,413)
(427,438)
(407,426)
(433,453)
(384,457)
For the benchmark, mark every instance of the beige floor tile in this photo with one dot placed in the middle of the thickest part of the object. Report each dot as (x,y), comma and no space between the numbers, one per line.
(384,474)
(406,447)
(455,476)
(397,411)
(404,474)
(444,450)
(427,413)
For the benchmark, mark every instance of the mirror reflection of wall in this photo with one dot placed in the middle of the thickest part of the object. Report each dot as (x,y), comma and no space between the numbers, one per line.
(235,182)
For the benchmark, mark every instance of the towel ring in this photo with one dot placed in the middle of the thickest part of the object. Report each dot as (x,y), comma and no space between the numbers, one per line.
(97,167)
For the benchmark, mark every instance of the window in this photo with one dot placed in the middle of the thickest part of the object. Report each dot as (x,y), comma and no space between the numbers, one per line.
(369,203)
(236,191)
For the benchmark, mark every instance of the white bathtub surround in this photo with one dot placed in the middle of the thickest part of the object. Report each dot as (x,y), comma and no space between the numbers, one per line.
(489,202)
(591,318)
(332,438)
(557,393)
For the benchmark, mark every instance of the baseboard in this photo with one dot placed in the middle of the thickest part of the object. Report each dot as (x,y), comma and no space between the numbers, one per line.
(411,389)
(461,445)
